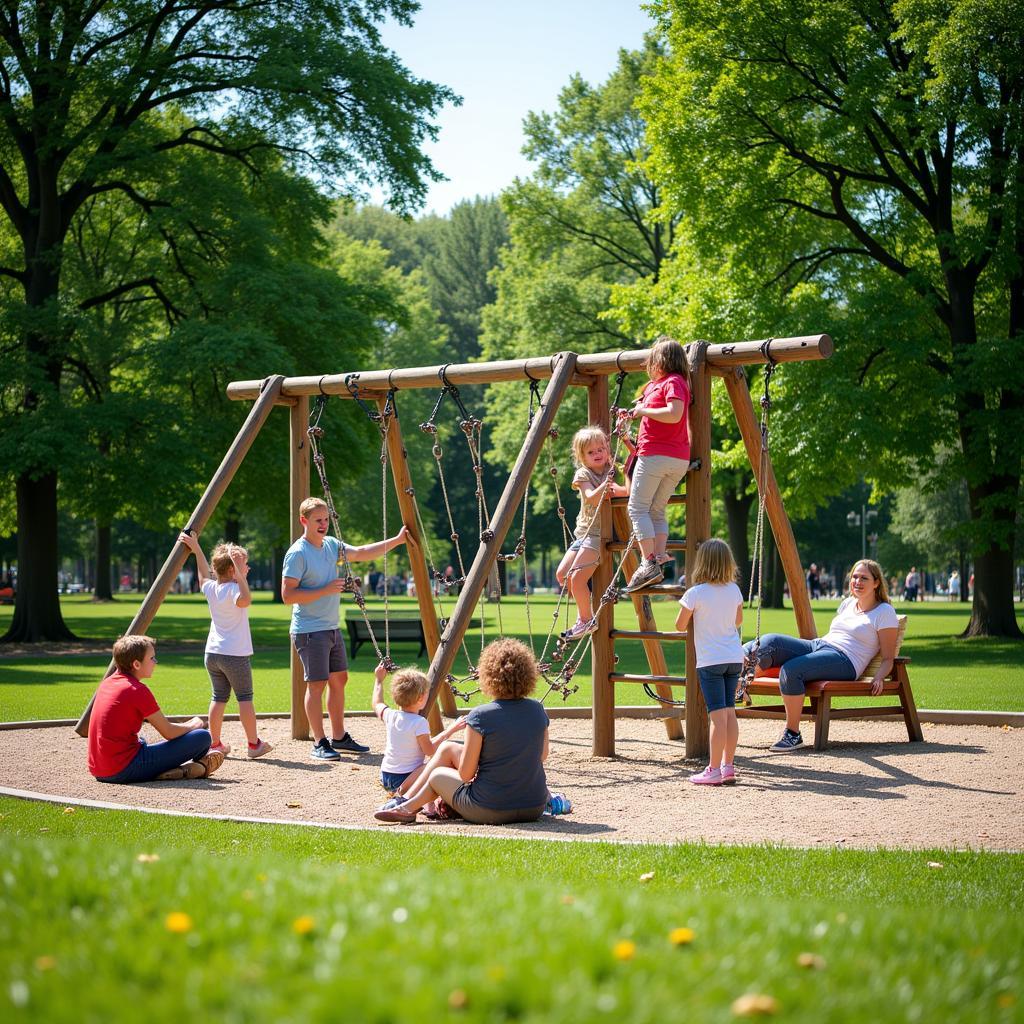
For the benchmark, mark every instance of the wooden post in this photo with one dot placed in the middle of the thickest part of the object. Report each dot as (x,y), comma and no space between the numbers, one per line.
(197,521)
(698,530)
(398,457)
(476,579)
(298,492)
(750,431)
(602,652)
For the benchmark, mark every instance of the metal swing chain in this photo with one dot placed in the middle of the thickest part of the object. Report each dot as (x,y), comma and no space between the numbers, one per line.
(315,432)
(750,665)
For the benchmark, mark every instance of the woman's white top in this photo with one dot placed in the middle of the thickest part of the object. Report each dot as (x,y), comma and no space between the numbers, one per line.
(855,633)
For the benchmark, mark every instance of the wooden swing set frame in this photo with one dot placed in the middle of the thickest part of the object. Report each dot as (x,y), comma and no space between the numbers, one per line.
(562,370)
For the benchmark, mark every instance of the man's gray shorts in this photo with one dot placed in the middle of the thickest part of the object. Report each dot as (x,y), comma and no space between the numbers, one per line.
(321,653)
(230,672)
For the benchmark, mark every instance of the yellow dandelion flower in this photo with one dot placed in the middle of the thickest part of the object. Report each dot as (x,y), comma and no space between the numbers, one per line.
(624,949)
(755,1004)
(69,810)
(681,936)
(148,858)
(303,925)
(811,961)
(178,922)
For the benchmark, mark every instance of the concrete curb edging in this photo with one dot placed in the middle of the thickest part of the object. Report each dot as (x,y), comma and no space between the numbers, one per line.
(1011,719)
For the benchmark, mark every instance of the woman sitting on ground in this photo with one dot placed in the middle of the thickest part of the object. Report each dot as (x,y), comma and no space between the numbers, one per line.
(865,624)
(500,774)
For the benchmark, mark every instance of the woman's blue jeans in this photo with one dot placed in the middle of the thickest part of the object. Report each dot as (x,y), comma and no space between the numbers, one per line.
(154,759)
(801,661)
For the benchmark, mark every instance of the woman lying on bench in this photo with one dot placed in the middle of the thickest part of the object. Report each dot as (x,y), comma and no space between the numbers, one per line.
(865,624)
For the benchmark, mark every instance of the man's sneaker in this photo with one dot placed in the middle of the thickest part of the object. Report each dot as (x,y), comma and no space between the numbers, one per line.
(647,572)
(322,750)
(728,775)
(348,744)
(222,747)
(709,777)
(582,628)
(786,742)
(261,748)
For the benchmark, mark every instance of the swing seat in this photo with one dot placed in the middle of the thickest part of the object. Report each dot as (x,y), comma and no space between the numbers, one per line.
(820,693)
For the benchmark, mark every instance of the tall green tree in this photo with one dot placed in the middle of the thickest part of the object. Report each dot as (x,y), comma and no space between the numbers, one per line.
(81,95)
(889,135)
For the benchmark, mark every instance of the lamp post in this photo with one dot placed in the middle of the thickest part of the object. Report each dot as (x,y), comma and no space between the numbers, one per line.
(860,519)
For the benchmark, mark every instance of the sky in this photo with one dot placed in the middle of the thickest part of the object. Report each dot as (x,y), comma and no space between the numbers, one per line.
(505,58)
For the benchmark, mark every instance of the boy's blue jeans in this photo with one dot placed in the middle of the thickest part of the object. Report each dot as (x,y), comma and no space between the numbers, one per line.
(801,661)
(155,758)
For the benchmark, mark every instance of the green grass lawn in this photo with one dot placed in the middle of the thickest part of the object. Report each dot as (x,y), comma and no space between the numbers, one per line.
(946,672)
(291,924)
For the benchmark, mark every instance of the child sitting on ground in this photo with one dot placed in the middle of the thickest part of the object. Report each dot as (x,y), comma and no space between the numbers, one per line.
(229,644)
(123,702)
(408,742)
(595,480)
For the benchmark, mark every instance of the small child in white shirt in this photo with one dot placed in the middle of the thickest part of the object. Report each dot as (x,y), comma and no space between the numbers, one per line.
(229,644)
(408,742)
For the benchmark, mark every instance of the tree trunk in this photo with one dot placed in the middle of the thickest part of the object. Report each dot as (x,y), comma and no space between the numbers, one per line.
(738,502)
(37,615)
(993,613)
(103,590)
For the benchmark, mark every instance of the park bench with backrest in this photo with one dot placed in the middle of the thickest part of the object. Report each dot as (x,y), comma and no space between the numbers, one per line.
(400,629)
(821,693)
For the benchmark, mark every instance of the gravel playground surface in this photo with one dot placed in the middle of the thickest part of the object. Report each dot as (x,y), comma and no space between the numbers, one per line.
(962,788)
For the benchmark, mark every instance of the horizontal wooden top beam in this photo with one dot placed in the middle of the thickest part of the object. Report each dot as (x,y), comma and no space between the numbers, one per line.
(599,364)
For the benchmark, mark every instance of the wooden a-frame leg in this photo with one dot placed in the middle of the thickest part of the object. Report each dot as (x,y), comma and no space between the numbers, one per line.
(908,707)
(822,711)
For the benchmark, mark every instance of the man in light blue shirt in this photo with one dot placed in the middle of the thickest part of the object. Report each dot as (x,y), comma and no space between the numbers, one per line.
(311,585)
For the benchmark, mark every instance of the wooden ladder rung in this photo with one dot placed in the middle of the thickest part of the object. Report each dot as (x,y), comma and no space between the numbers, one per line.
(629,677)
(672,545)
(660,588)
(676,499)
(645,634)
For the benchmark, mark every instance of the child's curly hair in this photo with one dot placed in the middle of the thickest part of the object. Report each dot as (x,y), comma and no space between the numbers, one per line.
(508,670)
(221,561)
(407,686)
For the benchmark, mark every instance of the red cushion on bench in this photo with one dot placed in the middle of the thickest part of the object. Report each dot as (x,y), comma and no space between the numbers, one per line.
(768,673)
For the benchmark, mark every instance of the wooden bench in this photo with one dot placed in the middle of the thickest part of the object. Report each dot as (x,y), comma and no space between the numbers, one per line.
(400,629)
(820,694)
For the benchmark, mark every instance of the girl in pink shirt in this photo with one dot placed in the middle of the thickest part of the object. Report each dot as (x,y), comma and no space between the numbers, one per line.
(663,455)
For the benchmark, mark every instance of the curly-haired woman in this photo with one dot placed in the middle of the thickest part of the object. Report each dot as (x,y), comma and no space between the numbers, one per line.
(500,775)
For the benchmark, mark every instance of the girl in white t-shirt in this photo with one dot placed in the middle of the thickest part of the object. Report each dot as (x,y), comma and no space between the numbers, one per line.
(408,742)
(715,605)
(229,644)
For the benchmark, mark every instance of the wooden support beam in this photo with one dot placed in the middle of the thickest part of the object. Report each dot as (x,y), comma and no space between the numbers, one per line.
(298,492)
(783,350)
(698,530)
(519,478)
(602,650)
(782,530)
(269,391)
(402,477)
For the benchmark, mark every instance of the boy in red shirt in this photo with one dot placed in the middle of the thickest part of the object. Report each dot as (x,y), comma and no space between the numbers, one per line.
(123,702)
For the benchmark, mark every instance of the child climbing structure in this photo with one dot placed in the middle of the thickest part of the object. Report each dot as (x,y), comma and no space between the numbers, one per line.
(377,389)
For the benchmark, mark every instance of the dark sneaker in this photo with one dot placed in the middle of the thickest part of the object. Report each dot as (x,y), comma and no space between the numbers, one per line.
(647,572)
(322,750)
(349,745)
(786,742)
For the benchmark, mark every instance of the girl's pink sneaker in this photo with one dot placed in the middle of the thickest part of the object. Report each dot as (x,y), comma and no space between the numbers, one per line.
(221,748)
(728,775)
(709,777)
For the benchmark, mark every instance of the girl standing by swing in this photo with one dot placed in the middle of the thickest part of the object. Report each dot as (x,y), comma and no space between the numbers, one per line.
(663,455)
